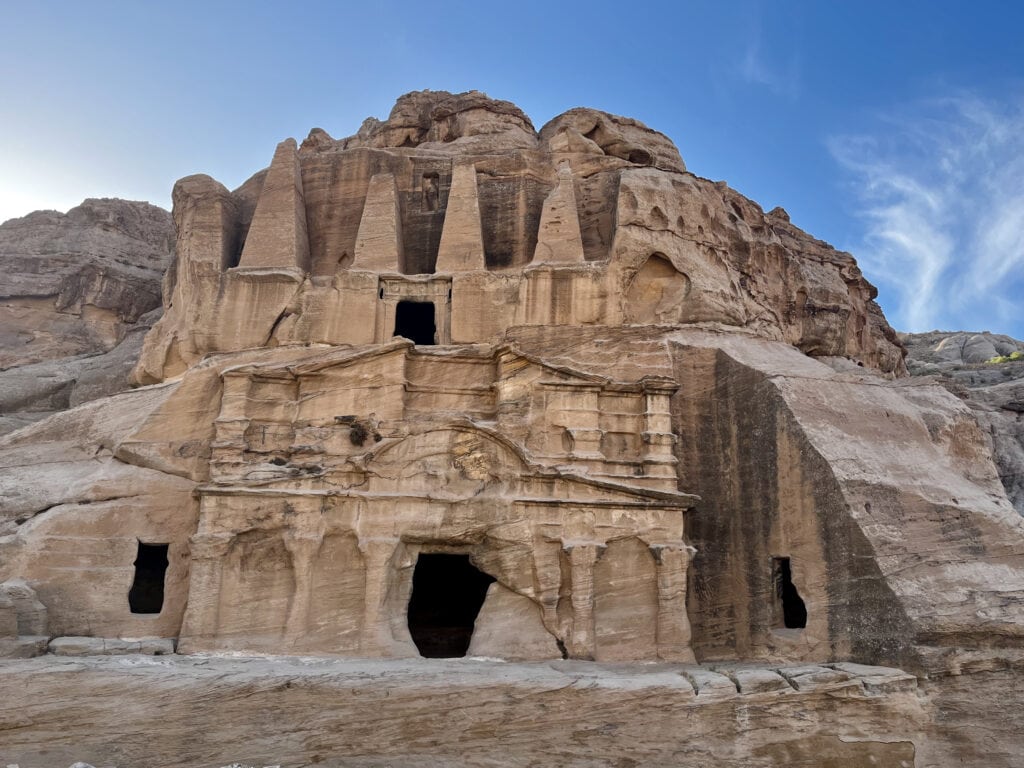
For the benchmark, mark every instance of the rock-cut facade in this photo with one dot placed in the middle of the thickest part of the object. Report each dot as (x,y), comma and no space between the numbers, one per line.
(455,386)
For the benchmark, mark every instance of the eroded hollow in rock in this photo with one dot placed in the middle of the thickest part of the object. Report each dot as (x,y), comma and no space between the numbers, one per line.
(415,321)
(794,612)
(447,594)
(147,592)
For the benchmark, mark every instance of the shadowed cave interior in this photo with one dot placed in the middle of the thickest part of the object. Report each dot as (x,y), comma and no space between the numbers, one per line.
(147,592)
(447,594)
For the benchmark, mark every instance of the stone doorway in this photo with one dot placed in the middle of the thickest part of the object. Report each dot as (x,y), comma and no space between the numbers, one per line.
(415,321)
(447,594)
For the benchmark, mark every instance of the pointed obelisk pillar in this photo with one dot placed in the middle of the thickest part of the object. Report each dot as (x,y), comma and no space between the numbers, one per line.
(462,240)
(559,240)
(379,240)
(277,236)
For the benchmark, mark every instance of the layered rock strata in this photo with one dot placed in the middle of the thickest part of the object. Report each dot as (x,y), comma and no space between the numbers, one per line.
(78,291)
(461,713)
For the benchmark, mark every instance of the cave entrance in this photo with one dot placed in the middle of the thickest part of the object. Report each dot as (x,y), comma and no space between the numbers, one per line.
(447,594)
(793,609)
(415,321)
(147,592)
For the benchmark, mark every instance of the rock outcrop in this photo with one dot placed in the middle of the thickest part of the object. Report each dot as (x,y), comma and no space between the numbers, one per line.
(463,184)
(969,366)
(78,291)
(454,386)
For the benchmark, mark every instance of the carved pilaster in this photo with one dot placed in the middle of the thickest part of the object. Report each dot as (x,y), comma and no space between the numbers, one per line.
(673,632)
(658,439)
(547,570)
(200,623)
(303,549)
(377,556)
(582,558)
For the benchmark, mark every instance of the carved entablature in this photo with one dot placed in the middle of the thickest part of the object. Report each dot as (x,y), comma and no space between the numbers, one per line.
(316,417)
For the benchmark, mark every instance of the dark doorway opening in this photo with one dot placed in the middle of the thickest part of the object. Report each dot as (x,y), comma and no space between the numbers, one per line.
(794,612)
(147,592)
(447,593)
(415,321)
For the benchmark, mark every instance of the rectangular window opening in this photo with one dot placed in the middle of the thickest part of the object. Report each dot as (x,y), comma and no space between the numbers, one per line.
(147,592)
(790,605)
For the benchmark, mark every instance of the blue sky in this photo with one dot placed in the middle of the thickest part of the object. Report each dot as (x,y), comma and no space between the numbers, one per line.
(891,129)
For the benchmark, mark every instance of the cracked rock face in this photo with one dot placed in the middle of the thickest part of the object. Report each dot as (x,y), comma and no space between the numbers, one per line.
(77,293)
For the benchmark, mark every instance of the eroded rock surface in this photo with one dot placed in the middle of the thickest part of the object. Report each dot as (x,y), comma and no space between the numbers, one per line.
(453,386)
(464,185)
(962,362)
(160,711)
(78,291)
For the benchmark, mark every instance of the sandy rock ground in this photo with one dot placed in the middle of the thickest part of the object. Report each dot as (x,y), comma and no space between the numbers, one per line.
(213,711)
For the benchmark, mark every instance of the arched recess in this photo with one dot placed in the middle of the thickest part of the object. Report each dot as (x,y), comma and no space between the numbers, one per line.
(657,292)
(257,587)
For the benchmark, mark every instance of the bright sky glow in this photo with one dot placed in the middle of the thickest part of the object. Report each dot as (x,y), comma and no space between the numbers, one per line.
(894,130)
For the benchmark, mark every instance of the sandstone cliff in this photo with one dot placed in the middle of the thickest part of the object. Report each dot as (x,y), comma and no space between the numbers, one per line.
(964,363)
(77,294)
(641,418)
(590,189)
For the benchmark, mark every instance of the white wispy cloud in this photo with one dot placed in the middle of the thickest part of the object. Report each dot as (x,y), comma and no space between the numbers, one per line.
(782,77)
(941,192)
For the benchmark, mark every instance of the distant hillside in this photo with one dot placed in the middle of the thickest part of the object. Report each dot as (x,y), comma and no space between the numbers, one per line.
(994,390)
(75,290)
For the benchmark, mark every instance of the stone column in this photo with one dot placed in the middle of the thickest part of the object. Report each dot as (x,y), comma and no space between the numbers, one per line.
(673,632)
(200,624)
(547,569)
(377,555)
(582,558)
(303,549)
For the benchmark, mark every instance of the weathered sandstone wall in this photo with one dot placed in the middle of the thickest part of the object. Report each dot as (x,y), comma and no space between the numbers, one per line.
(78,291)
(650,421)
(993,391)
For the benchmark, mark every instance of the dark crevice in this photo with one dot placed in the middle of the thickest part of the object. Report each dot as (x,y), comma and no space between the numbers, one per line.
(277,324)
